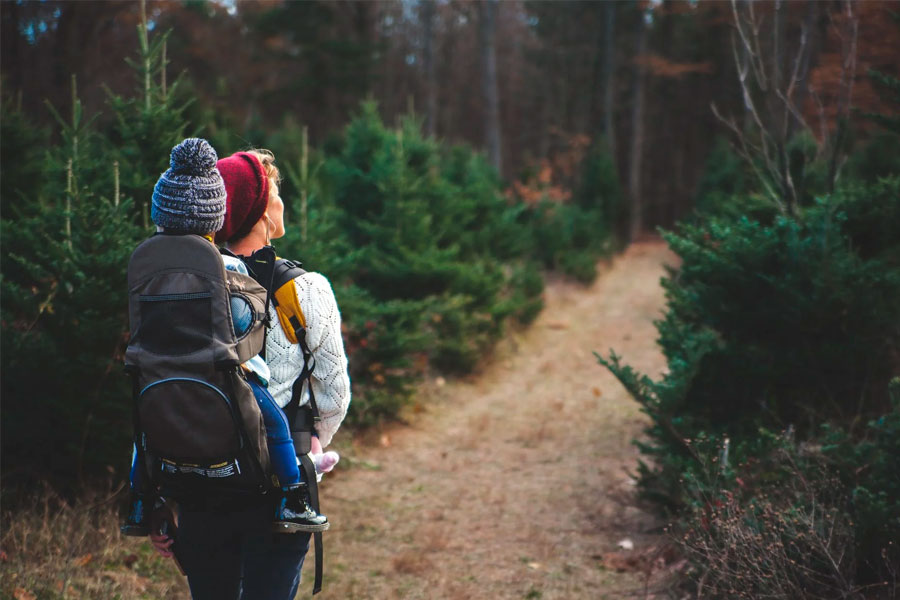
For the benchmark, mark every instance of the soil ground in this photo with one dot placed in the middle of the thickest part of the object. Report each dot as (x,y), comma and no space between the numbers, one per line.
(511,483)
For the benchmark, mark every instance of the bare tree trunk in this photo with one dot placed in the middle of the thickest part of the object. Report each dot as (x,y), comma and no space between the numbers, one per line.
(587,102)
(544,124)
(428,14)
(487,16)
(810,23)
(849,34)
(636,222)
(609,81)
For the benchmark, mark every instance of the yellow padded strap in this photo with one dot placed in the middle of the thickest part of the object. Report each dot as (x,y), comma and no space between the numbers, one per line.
(287,305)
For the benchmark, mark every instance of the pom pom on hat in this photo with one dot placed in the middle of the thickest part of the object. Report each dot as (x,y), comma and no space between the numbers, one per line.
(193,156)
(190,195)
(247,188)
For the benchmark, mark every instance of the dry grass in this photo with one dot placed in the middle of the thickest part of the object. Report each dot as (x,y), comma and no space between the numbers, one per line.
(52,549)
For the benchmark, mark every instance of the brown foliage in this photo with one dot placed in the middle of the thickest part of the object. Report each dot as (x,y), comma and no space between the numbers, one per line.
(877,47)
(552,178)
(660,66)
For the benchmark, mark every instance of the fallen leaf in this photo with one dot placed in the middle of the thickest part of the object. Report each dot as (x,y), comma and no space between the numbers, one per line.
(23,594)
(83,560)
(534,565)
(440,381)
(3,556)
(412,563)
(622,562)
(597,392)
(385,440)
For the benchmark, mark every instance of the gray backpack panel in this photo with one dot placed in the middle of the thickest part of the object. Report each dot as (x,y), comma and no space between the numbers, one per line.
(198,424)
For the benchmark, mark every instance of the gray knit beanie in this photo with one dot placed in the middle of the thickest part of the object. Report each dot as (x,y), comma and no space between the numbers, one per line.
(190,196)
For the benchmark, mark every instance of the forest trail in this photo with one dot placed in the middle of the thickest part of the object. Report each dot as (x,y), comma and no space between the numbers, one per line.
(509,483)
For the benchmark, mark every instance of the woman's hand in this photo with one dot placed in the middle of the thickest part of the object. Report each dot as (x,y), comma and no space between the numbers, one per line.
(162,529)
(315,445)
(162,543)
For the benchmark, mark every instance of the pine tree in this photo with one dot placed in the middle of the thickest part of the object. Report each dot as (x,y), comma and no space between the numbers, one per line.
(64,312)
(67,242)
(431,264)
(148,124)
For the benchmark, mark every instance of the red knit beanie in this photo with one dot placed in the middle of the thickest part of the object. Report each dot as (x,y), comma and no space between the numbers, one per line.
(247,190)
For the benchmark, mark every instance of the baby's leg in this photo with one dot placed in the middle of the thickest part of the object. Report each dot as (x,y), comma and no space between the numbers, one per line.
(137,480)
(137,522)
(278,436)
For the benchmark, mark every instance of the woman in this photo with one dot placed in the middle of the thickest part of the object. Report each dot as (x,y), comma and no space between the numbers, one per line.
(234,554)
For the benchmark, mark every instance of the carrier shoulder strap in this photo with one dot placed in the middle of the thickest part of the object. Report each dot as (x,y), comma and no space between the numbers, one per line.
(283,293)
(293,322)
(285,299)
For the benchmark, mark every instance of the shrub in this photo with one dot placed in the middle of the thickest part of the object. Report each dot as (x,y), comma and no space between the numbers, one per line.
(570,207)
(781,325)
(867,465)
(569,238)
(786,325)
(785,541)
(428,259)
(816,519)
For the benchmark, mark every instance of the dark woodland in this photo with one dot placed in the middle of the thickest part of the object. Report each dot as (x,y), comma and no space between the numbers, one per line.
(442,159)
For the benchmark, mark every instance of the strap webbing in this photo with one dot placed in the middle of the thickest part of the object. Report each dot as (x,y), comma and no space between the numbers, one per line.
(302,421)
(274,276)
(309,473)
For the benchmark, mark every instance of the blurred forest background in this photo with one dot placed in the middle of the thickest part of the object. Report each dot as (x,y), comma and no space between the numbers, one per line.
(439,158)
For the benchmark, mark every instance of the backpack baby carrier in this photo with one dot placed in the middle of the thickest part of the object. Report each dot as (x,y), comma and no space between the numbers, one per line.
(199,432)
(198,428)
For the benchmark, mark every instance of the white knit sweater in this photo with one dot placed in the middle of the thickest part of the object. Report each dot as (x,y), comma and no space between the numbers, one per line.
(330,380)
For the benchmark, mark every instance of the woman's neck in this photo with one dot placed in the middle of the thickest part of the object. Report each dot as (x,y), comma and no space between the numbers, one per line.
(250,243)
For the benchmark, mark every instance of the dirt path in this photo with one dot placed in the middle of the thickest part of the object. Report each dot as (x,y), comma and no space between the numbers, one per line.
(505,485)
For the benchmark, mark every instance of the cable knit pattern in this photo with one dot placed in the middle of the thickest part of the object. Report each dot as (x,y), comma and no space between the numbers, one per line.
(330,379)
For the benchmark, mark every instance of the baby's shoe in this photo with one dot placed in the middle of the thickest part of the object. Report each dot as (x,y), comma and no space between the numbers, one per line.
(138,522)
(295,514)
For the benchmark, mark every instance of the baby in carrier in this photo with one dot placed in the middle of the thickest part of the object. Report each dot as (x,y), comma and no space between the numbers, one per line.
(189,198)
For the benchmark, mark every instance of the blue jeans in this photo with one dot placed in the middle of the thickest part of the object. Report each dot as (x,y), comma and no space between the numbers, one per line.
(234,555)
